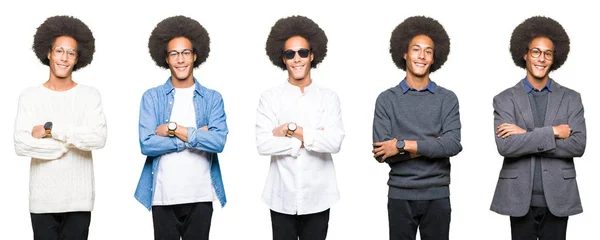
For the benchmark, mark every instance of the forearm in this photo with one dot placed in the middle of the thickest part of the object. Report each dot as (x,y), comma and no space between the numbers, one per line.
(45,148)
(212,141)
(535,141)
(326,140)
(83,138)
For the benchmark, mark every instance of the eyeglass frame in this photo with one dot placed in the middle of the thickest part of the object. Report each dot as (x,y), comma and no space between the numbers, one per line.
(546,53)
(171,55)
(63,51)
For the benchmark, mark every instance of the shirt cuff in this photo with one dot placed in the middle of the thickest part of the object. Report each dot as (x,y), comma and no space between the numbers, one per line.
(296,144)
(309,137)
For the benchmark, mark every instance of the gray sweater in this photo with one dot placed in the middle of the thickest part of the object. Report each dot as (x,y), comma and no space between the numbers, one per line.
(433,120)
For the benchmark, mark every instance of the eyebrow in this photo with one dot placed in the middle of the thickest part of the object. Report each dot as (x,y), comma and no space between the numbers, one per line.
(421,46)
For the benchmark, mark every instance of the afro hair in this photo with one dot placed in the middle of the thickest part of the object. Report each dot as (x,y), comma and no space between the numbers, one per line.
(58,26)
(412,27)
(286,28)
(178,26)
(539,26)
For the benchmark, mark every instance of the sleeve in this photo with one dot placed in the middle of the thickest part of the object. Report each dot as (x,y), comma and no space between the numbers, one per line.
(382,127)
(329,139)
(90,135)
(27,145)
(150,143)
(519,144)
(266,143)
(574,145)
(448,143)
(214,139)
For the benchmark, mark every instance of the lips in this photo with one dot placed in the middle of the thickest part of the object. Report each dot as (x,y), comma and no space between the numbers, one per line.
(419,64)
(300,67)
(181,69)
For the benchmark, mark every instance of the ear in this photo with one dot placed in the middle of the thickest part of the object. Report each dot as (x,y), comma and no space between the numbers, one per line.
(312,56)
(525,57)
(195,56)
(49,54)
(405,54)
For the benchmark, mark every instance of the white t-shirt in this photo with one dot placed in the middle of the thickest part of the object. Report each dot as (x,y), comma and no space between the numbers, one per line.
(183,177)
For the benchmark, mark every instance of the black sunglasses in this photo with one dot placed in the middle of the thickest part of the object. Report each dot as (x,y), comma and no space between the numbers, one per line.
(302,52)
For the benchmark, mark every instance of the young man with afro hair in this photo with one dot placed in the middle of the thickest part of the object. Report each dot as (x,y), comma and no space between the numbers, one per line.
(182,127)
(540,128)
(299,124)
(416,129)
(59,124)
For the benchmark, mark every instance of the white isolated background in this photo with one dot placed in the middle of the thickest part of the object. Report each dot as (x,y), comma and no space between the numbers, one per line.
(358,67)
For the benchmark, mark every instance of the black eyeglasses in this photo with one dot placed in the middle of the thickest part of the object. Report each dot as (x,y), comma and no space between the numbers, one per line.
(290,54)
(186,53)
(536,52)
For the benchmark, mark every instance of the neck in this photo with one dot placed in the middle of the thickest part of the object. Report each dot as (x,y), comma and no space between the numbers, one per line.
(537,83)
(301,83)
(417,82)
(60,84)
(182,83)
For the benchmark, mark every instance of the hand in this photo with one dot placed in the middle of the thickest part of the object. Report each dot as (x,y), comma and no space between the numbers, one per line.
(281,130)
(386,149)
(205,128)
(562,131)
(38,131)
(507,129)
(162,130)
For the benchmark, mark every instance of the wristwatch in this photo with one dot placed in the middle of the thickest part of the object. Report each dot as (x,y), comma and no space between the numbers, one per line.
(48,128)
(400,146)
(291,129)
(172,126)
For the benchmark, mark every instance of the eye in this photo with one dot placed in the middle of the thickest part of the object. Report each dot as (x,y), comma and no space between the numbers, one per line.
(429,52)
(59,51)
(187,53)
(72,53)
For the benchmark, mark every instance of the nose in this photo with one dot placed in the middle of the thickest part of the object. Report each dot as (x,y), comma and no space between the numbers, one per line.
(63,56)
(297,57)
(421,54)
(180,58)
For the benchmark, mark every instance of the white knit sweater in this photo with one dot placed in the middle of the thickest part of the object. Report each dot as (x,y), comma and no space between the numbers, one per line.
(61,173)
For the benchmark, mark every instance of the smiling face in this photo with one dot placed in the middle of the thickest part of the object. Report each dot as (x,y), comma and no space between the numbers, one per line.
(538,67)
(298,67)
(62,57)
(181,58)
(419,56)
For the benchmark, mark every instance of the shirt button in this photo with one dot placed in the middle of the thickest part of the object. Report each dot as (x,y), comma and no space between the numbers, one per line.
(166,120)
(540,148)
(170,102)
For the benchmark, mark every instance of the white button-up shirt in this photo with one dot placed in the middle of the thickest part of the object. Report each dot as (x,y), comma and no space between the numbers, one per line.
(301,180)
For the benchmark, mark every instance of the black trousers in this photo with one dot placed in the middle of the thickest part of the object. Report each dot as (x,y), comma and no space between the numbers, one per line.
(63,226)
(186,221)
(306,227)
(538,223)
(432,217)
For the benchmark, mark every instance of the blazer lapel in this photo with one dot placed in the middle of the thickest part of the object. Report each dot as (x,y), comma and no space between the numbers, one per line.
(554,99)
(522,103)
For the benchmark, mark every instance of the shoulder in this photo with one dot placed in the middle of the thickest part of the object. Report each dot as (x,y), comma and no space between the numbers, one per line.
(273,92)
(445,93)
(85,89)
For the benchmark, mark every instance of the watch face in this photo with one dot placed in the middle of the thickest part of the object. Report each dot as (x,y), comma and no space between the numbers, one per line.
(172,126)
(48,126)
(292,126)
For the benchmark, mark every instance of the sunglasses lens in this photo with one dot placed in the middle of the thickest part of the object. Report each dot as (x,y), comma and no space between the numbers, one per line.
(303,52)
(289,54)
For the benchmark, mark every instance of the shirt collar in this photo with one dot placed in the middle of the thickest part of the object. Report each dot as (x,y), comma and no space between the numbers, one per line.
(405,88)
(529,87)
(168,87)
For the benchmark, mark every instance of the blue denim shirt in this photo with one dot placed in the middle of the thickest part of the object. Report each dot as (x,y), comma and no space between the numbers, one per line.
(155,110)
